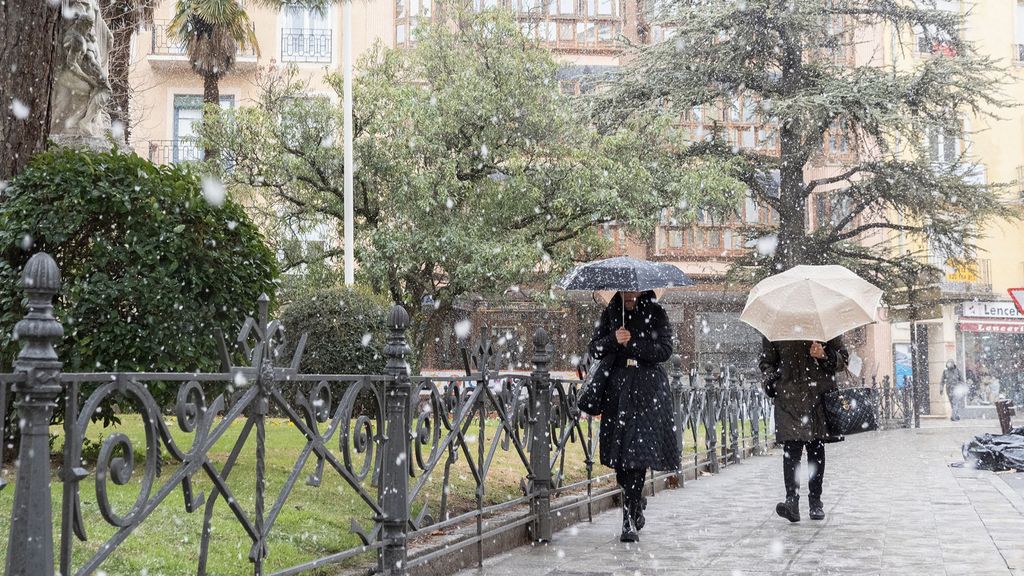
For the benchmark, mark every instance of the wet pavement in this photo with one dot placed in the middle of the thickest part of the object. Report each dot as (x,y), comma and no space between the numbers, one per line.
(894,506)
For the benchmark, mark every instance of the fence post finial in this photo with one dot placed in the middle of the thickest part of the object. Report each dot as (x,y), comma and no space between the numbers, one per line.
(30,539)
(394,485)
(540,454)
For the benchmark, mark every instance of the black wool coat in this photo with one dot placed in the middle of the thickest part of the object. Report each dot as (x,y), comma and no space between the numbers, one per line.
(802,380)
(637,423)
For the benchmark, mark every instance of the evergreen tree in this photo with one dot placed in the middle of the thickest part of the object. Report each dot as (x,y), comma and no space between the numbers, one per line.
(796,61)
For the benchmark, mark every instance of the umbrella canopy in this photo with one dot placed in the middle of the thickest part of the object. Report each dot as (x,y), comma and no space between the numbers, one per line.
(811,303)
(624,274)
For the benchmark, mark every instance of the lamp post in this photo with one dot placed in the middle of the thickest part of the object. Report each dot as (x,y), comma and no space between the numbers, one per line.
(346,31)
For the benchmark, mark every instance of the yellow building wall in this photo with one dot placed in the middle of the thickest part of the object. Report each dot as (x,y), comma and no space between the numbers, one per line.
(997,146)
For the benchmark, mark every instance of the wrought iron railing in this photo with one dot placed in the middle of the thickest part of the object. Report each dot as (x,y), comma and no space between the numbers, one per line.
(306,45)
(895,403)
(390,444)
(165,44)
(174,151)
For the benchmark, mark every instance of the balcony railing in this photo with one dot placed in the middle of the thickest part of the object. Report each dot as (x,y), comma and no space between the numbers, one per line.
(973,278)
(165,44)
(305,45)
(174,151)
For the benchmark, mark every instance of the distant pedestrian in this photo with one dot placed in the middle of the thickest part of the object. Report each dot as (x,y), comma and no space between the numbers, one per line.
(637,421)
(955,389)
(803,371)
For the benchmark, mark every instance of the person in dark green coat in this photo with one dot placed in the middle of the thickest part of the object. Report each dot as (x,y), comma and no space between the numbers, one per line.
(802,371)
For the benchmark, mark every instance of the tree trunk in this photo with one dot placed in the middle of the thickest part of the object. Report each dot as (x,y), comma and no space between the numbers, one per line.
(211,95)
(792,240)
(28,52)
(120,67)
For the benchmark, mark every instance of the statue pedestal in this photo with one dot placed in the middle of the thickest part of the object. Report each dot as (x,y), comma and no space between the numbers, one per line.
(91,143)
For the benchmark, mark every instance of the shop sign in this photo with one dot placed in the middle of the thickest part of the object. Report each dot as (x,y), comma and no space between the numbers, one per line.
(962,272)
(991,310)
(993,327)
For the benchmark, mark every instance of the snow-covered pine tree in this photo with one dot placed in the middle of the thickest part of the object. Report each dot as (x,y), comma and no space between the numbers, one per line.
(816,69)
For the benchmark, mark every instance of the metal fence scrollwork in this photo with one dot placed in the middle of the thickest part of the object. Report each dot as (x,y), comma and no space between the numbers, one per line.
(422,458)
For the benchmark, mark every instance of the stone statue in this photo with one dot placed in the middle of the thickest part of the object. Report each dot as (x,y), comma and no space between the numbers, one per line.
(81,86)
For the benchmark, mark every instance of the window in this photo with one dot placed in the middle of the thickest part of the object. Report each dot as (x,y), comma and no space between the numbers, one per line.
(836,140)
(188,112)
(571,24)
(931,40)
(306,33)
(943,145)
(675,238)
(601,7)
(750,211)
(1018,52)
(530,6)
(303,241)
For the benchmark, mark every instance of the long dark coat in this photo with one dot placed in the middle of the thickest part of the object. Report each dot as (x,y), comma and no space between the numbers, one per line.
(802,380)
(637,425)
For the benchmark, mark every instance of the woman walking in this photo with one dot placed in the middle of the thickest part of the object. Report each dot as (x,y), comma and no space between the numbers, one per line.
(802,372)
(632,338)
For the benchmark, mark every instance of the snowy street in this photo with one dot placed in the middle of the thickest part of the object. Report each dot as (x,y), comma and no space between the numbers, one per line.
(894,507)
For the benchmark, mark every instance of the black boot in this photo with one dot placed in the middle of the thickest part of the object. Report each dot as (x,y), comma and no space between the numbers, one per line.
(817,511)
(628,527)
(637,512)
(790,509)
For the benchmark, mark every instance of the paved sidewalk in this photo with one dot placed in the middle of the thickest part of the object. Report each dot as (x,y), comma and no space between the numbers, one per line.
(895,507)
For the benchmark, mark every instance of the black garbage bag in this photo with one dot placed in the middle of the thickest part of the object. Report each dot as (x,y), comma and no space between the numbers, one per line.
(996,451)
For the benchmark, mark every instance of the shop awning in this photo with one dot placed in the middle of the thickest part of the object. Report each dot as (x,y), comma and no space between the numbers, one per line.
(996,326)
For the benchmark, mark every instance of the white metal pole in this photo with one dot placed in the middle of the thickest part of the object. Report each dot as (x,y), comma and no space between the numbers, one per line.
(346,31)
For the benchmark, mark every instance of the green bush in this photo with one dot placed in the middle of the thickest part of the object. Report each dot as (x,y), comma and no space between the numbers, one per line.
(346,327)
(150,267)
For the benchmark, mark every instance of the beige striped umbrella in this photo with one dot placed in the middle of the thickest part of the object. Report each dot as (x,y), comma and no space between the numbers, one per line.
(811,303)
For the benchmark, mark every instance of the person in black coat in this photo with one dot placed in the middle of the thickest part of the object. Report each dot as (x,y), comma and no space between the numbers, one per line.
(802,372)
(637,424)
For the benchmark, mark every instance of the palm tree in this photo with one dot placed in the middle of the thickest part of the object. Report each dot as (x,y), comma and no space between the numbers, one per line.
(212,32)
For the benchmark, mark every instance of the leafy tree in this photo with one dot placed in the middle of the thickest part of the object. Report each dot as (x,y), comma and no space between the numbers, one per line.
(150,268)
(475,172)
(793,59)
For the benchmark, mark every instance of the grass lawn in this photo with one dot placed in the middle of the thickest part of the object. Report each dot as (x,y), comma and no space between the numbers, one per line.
(314,521)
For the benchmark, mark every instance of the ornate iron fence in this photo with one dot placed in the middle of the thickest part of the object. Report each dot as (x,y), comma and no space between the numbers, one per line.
(391,441)
(895,404)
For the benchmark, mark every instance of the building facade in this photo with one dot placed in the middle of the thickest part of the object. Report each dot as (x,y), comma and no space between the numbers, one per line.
(977,327)
(583,34)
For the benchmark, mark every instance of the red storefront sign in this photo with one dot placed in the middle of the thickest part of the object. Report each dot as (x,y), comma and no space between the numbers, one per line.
(1004,327)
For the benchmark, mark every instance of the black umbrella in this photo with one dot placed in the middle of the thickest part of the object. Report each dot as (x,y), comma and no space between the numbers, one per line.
(624,274)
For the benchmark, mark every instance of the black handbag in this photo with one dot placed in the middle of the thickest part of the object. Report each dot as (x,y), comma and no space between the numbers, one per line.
(850,411)
(591,399)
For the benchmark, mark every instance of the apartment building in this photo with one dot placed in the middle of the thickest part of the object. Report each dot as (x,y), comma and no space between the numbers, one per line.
(977,327)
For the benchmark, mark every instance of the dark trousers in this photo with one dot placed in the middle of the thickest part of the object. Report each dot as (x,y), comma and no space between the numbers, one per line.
(631,480)
(792,451)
